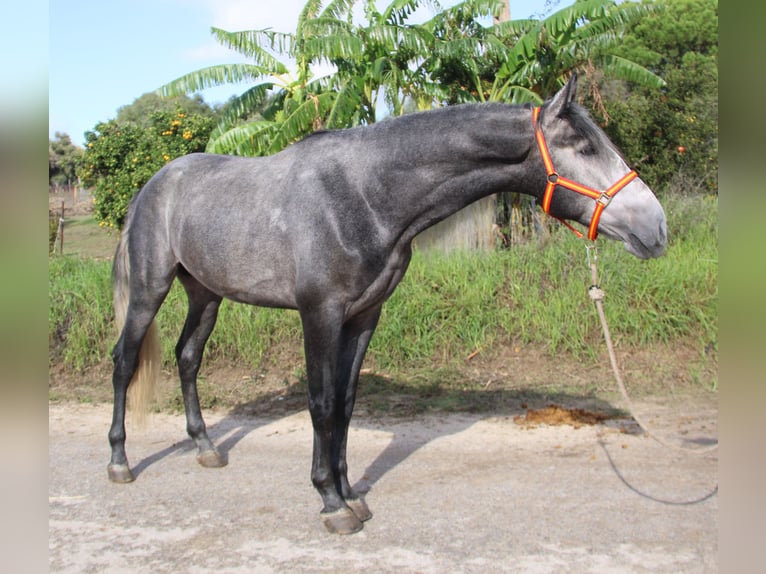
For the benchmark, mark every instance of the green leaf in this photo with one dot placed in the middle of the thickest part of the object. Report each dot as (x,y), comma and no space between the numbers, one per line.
(212,76)
(300,121)
(243,105)
(249,139)
(251,43)
(630,71)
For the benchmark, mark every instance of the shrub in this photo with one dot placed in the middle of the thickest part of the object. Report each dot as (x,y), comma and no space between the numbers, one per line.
(120,158)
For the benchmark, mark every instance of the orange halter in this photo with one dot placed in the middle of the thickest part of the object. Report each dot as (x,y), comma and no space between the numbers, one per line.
(554,179)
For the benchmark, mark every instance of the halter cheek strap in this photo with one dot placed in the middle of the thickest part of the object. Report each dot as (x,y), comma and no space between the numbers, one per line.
(602,198)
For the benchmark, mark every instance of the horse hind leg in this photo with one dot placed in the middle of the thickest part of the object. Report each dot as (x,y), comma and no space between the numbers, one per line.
(141,282)
(137,343)
(200,321)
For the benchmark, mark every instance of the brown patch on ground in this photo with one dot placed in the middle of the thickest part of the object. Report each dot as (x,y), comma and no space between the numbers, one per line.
(555,415)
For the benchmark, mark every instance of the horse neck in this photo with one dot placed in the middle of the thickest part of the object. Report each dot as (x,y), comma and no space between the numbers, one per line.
(436,163)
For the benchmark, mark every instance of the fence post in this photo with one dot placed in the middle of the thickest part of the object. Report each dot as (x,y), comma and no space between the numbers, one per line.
(61,230)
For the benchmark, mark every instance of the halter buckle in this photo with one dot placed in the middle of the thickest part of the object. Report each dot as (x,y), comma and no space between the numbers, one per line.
(604,199)
(553,177)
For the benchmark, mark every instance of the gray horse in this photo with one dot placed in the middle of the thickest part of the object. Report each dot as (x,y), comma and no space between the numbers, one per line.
(326,227)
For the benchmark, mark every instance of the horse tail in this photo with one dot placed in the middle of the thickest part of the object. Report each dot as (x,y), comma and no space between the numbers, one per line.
(142,387)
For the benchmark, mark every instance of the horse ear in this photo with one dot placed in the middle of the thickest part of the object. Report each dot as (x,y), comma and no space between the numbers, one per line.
(564,96)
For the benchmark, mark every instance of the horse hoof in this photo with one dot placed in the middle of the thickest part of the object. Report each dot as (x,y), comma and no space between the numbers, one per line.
(359,507)
(342,521)
(211,459)
(120,473)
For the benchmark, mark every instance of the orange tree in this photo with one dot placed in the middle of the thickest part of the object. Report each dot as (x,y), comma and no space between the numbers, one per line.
(121,157)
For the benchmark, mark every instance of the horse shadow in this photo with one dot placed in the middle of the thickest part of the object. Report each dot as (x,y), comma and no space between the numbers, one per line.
(233,431)
(227,432)
(375,409)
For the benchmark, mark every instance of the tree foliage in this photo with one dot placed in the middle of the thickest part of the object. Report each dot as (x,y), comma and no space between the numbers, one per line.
(385,58)
(529,60)
(120,158)
(140,111)
(63,159)
(671,135)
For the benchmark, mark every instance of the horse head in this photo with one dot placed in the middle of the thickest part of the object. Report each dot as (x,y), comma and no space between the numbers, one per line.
(589,182)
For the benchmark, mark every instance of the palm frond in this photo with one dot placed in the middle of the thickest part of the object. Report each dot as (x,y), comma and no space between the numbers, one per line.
(397,12)
(331,47)
(471,9)
(628,70)
(567,19)
(300,121)
(247,140)
(397,37)
(212,76)
(515,94)
(512,28)
(250,43)
(246,103)
(338,8)
(325,26)
(311,9)
(346,110)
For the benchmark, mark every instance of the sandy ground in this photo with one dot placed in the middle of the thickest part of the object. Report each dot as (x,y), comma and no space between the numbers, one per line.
(449,493)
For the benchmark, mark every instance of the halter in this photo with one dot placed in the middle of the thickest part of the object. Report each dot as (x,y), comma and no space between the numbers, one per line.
(554,179)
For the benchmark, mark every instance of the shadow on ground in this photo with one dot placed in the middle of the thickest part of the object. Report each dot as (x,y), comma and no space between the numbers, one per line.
(380,399)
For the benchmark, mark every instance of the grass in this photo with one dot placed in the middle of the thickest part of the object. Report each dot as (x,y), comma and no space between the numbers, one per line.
(84,238)
(453,304)
(448,308)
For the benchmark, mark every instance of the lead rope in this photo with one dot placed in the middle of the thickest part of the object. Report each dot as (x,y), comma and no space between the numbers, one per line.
(597,296)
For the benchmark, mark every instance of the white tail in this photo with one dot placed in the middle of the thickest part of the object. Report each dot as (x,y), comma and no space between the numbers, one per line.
(142,388)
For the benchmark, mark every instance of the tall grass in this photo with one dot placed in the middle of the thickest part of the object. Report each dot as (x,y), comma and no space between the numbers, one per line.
(80,316)
(450,305)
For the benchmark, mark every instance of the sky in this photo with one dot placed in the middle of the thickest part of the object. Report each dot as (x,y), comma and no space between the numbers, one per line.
(102,55)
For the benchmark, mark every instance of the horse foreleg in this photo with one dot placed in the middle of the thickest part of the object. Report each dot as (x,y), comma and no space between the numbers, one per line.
(357,335)
(200,320)
(322,333)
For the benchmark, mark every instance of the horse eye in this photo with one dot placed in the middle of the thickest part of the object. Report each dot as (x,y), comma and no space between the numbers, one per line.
(588,149)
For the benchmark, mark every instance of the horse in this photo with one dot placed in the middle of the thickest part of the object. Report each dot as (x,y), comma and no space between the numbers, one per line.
(325,227)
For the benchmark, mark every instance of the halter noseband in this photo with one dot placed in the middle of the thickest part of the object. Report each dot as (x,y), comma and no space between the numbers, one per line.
(554,179)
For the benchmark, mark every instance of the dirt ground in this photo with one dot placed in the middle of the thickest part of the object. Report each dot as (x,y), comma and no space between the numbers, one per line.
(449,493)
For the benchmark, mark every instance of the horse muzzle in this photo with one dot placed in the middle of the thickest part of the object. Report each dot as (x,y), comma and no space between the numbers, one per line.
(639,222)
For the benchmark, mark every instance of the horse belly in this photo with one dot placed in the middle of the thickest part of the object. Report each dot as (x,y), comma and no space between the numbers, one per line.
(256,274)
(263,291)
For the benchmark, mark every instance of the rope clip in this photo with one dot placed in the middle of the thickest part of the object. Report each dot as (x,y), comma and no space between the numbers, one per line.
(595,293)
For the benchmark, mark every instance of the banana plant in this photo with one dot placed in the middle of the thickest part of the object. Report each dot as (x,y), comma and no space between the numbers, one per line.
(285,100)
(580,36)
